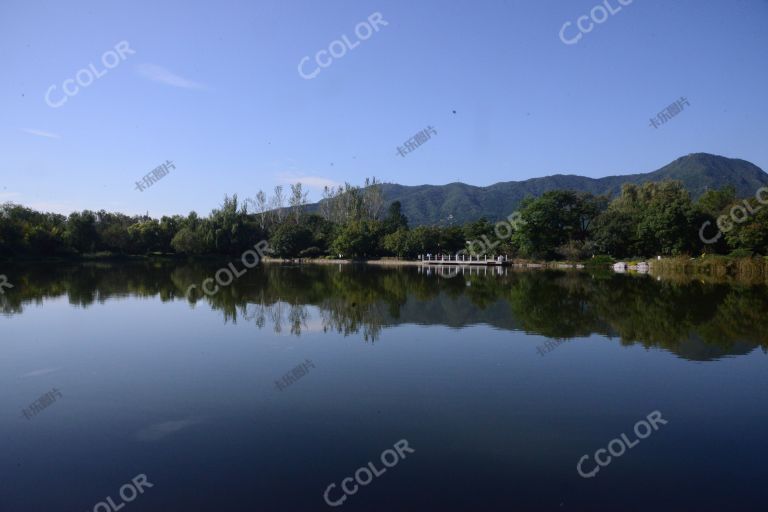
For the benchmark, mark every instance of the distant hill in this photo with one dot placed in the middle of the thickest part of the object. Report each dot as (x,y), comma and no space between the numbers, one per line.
(456,203)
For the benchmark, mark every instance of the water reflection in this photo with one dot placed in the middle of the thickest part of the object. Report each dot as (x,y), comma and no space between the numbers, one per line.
(695,320)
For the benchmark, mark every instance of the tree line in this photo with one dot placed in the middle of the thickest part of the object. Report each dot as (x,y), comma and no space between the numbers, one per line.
(355,222)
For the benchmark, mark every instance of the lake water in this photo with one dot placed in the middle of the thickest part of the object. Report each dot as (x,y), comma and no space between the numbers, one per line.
(292,378)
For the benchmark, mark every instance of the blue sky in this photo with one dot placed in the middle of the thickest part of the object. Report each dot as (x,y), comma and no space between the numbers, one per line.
(214,87)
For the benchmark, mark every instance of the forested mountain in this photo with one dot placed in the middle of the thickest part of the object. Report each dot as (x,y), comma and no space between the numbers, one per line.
(688,207)
(457,203)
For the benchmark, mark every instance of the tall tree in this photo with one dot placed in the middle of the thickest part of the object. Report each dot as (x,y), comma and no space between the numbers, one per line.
(260,202)
(395,218)
(326,203)
(373,199)
(81,231)
(278,203)
(297,200)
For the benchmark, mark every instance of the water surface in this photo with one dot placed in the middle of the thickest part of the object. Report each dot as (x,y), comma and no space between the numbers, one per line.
(499,383)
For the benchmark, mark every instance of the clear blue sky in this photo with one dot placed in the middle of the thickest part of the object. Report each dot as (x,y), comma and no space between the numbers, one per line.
(214,86)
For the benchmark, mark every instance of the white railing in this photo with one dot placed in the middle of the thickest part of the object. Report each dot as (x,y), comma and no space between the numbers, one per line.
(464,258)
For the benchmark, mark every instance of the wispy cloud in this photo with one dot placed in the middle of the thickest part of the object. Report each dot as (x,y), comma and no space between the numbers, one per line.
(310,181)
(41,133)
(160,74)
(38,373)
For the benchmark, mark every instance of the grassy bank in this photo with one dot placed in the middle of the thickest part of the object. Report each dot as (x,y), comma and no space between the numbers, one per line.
(713,268)
(708,268)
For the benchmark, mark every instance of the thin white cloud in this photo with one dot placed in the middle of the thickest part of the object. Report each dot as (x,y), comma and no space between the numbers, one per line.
(160,74)
(38,373)
(41,133)
(317,182)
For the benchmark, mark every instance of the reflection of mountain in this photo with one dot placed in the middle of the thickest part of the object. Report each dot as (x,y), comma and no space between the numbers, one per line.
(697,321)
(457,312)
(696,349)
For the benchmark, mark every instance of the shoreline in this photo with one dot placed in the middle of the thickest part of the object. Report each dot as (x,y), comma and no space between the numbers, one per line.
(704,268)
(685,264)
(387,262)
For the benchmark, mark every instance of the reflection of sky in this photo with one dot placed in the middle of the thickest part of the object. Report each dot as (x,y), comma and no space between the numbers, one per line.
(159,431)
(178,394)
(292,319)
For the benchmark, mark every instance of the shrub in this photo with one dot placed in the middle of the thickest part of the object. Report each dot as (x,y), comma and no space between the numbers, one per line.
(741,253)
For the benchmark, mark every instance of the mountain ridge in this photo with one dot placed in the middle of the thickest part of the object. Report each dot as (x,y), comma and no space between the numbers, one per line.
(457,202)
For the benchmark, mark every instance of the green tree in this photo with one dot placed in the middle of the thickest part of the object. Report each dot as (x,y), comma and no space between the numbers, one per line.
(395,218)
(478,230)
(357,239)
(715,202)
(614,233)
(752,234)
(290,240)
(81,231)
(397,243)
(666,220)
(554,220)
(145,236)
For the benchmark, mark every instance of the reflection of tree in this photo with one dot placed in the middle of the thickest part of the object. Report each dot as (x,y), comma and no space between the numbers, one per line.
(740,316)
(297,317)
(276,315)
(259,314)
(694,319)
(553,304)
(677,317)
(340,316)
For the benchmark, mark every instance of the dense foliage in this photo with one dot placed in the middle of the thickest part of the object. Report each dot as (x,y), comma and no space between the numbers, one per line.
(643,221)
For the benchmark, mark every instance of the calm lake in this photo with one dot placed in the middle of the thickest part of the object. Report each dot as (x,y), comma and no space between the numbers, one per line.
(292,378)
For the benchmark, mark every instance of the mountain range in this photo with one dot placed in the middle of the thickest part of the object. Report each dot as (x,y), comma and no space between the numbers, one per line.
(456,203)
